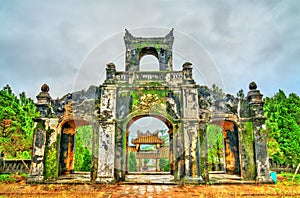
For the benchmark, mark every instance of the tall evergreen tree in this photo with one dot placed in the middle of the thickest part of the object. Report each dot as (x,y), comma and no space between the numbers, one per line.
(282,119)
(16,123)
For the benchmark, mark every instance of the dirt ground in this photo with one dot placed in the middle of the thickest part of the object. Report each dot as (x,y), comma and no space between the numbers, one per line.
(21,189)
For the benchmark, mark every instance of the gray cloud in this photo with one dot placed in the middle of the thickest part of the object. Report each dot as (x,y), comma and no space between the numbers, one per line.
(53,41)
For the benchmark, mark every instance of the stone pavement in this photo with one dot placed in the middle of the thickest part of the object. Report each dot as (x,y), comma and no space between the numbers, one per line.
(121,190)
(148,178)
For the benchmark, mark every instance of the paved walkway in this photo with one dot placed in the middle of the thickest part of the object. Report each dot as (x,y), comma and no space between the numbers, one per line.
(186,191)
(150,178)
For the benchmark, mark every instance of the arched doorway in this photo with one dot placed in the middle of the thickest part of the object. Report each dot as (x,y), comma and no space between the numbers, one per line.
(149,63)
(72,146)
(149,145)
(228,152)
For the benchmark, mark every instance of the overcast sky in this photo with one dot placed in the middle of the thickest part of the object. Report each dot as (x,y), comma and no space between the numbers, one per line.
(66,44)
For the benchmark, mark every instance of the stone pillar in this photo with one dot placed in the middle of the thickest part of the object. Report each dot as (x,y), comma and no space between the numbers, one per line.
(51,155)
(106,145)
(187,70)
(106,153)
(203,152)
(43,105)
(121,153)
(190,128)
(110,73)
(191,141)
(254,98)
(95,151)
(38,151)
(248,171)
(178,152)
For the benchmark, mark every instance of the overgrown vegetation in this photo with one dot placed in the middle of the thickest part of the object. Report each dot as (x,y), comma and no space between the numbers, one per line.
(16,124)
(132,166)
(83,154)
(215,147)
(14,177)
(164,165)
(283,127)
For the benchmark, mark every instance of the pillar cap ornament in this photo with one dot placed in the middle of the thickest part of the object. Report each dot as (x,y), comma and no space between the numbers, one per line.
(44,97)
(252,86)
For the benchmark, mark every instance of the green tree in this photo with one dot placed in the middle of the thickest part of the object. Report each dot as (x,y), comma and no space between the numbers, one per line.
(165,136)
(215,145)
(240,94)
(85,133)
(16,123)
(164,164)
(83,155)
(282,120)
(132,166)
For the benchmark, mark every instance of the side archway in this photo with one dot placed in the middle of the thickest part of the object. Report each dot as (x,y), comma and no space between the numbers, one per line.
(231,147)
(67,145)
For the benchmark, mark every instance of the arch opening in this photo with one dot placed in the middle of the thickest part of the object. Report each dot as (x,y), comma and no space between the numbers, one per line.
(149,145)
(223,147)
(75,147)
(148,59)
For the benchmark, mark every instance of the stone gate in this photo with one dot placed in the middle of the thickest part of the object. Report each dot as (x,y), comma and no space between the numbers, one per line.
(170,96)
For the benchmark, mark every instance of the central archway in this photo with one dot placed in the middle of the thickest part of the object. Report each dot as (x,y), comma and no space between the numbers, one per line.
(155,154)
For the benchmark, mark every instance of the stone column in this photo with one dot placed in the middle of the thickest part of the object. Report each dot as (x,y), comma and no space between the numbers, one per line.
(190,128)
(106,151)
(38,151)
(106,145)
(203,152)
(248,171)
(191,141)
(254,98)
(187,70)
(110,73)
(178,152)
(121,153)
(43,106)
(95,151)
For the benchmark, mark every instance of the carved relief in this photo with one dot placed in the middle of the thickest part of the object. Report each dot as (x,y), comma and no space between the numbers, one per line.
(191,106)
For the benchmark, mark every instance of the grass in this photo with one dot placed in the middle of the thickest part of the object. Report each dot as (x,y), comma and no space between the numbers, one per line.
(286,179)
(13,177)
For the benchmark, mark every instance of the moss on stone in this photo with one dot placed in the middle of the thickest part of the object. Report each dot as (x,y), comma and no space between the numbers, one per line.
(203,155)
(51,160)
(247,142)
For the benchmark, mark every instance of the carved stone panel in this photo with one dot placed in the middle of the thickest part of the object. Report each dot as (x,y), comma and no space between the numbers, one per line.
(190,103)
(106,152)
